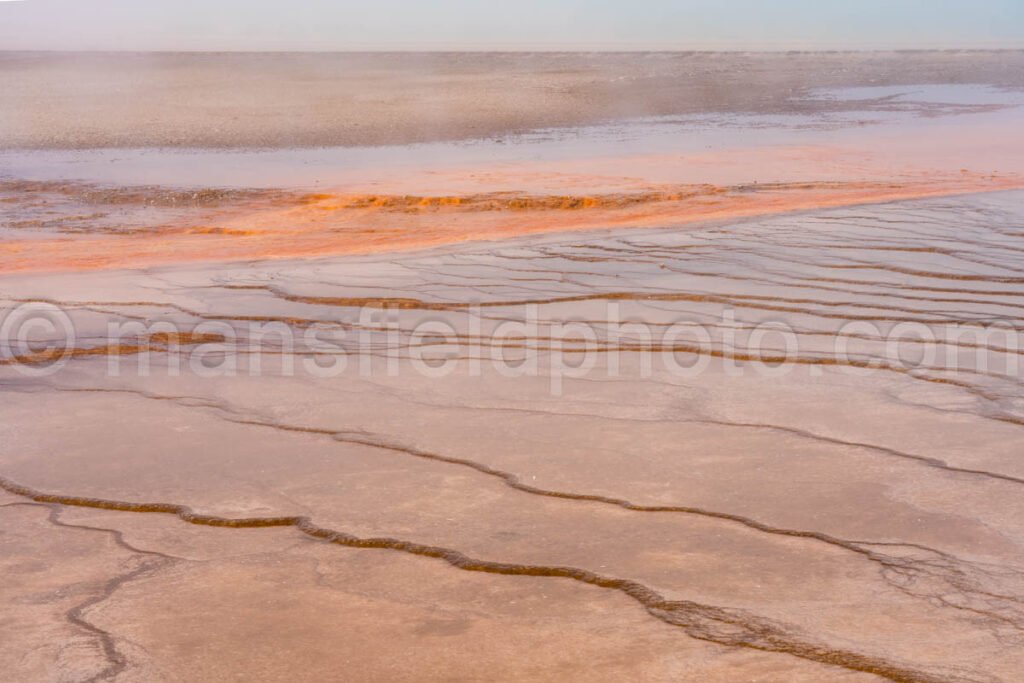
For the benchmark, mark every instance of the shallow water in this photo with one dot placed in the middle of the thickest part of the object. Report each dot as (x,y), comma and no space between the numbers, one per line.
(869,115)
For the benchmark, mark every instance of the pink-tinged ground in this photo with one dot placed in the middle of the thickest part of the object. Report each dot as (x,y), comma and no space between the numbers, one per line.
(260,460)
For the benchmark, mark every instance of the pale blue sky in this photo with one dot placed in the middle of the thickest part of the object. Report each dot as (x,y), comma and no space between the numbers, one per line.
(508,24)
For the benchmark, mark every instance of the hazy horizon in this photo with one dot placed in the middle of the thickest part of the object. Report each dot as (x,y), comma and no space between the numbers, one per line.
(531,25)
(504,50)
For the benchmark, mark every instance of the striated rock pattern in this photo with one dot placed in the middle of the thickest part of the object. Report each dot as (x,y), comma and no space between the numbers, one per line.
(784,448)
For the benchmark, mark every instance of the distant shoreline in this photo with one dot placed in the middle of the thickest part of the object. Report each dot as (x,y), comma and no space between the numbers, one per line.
(278,100)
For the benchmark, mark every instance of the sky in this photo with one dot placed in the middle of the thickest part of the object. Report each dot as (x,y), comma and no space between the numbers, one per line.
(508,24)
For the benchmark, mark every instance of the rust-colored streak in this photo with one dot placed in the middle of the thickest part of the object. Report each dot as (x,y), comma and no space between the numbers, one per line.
(208,225)
(159,342)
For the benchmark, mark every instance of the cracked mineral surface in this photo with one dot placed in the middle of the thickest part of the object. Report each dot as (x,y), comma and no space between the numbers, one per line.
(725,392)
